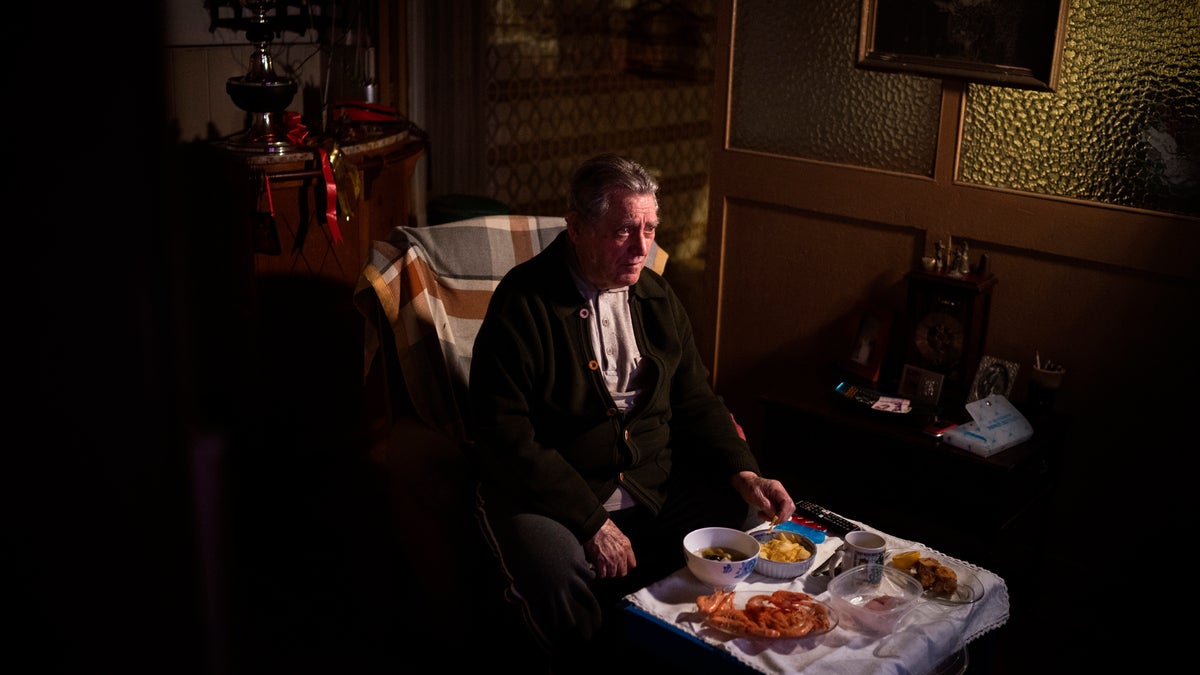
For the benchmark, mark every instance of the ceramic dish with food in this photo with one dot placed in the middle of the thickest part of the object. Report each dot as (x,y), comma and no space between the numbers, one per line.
(771,615)
(941,580)
(783,554)
(720,556)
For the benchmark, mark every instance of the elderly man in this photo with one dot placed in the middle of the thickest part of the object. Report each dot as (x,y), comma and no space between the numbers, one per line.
(599,441)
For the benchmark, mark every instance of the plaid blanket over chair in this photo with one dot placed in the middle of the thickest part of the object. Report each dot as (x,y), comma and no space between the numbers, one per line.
(431,285)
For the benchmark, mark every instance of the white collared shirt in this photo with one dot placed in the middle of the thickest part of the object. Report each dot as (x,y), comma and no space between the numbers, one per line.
(613,341)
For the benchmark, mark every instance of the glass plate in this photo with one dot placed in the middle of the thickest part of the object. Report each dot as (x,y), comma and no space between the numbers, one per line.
(740,598)
(970,588)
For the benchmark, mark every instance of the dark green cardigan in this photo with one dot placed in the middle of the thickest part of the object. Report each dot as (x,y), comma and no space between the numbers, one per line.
(546,435)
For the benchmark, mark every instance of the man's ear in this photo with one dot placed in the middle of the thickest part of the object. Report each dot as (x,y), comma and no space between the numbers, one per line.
(572,219)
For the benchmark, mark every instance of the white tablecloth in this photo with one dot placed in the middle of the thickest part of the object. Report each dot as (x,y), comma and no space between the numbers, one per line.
(931,633)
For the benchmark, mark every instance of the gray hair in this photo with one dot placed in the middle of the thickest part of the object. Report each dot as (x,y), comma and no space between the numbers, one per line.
(597,177)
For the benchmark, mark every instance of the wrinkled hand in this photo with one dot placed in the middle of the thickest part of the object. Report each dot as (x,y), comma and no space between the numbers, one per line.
(610,552)
(767,495)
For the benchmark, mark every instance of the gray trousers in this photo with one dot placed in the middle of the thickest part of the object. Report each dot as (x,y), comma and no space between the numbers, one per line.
(554,586)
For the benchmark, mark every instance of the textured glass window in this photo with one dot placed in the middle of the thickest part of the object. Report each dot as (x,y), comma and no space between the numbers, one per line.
(822,107)
(1123,127)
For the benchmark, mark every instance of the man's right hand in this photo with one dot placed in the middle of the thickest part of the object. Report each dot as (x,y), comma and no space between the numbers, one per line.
(610,552)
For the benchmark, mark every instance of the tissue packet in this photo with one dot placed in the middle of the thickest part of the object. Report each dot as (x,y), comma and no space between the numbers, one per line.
(995,425)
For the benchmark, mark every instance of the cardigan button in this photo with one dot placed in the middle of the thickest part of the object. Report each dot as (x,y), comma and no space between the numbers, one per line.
(612,412)
(627,434)
(583,313)
(593,365)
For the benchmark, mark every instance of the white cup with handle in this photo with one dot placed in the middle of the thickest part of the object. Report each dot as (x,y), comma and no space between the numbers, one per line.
(860,547)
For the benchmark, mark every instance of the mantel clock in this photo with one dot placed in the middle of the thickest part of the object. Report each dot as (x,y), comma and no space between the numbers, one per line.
(947,321)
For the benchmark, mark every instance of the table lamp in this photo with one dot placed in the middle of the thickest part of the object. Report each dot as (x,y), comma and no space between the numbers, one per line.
(261,92)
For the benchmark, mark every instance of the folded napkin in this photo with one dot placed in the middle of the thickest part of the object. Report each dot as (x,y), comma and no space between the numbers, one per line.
(930,634)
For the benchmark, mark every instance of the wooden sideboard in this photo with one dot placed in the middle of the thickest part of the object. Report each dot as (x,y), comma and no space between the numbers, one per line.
(287,224)
(294,340)
(883,469)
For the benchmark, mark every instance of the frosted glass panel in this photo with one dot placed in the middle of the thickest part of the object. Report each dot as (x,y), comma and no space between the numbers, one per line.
(1123,127)
(796,91)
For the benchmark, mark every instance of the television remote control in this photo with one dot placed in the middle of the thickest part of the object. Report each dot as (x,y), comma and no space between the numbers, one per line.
(836,524)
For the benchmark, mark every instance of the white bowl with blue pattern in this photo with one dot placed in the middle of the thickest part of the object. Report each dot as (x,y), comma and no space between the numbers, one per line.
(720,556)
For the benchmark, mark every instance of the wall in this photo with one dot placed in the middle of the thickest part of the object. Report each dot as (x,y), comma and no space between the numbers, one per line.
(515,95)
(567,80)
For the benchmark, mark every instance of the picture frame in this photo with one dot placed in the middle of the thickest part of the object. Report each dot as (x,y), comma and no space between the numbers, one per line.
(920,385)
(994,376)
(1008,43)
(868,343)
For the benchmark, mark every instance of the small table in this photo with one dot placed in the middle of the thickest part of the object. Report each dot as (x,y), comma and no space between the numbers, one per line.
(930,637)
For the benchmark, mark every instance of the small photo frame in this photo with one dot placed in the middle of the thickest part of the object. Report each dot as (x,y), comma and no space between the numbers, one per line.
(994,376)
(868,332)
(920,385)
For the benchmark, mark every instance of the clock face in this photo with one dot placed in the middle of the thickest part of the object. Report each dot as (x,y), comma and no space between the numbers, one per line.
(939,339)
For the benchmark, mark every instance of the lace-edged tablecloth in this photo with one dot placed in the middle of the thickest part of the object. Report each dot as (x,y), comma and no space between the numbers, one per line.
(930,634)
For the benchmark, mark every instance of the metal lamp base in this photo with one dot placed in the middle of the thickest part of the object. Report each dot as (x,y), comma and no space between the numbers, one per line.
(267,133)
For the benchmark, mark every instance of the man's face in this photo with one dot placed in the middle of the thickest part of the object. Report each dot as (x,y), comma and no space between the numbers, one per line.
(613,251)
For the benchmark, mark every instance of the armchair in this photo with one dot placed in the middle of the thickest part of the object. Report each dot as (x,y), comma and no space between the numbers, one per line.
(423,293)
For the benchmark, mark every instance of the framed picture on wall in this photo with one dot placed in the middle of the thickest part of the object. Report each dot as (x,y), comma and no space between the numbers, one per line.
(1009,43)
(868,333)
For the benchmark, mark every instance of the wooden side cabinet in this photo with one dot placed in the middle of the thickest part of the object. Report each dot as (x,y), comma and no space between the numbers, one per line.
(286,203)
(302,336)
(882,469)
